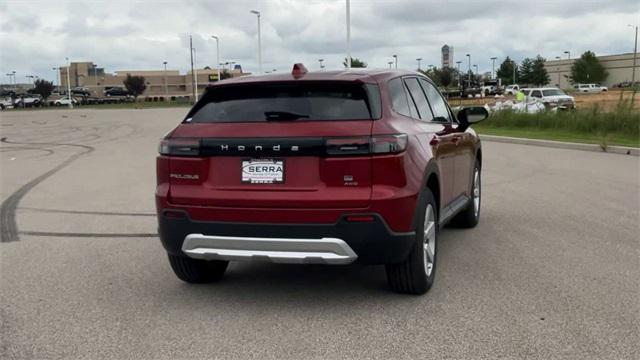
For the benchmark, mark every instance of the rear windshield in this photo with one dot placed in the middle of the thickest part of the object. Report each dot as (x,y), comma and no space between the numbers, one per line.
(297,101)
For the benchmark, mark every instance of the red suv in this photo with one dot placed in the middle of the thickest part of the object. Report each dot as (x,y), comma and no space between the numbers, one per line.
(323,167)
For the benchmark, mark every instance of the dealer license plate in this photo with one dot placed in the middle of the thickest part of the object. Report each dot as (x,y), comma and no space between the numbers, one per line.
(263,171)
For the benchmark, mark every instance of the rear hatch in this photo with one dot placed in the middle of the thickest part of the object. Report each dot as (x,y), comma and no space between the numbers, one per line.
(297,144)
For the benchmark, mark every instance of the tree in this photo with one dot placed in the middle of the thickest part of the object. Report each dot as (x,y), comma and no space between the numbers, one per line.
(441,77)
(446,76)
(355,63)
(587,69)
(136,85)
(525,73)
(533,72)
(505,72)
(43,88)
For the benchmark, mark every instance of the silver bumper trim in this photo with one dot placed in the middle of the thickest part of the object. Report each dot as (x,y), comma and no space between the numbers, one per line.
(278,250)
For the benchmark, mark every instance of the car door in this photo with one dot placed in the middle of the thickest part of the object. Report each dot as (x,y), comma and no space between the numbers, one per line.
(464,143)
(442,139)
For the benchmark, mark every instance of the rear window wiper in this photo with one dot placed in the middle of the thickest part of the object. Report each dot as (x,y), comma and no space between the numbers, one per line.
(283,115)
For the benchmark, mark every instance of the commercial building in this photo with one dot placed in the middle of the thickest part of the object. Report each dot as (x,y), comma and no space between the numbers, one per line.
(162,83)
(619,67)
(447,56)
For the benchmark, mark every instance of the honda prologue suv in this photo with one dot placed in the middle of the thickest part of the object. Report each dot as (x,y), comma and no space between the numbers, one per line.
(323,167)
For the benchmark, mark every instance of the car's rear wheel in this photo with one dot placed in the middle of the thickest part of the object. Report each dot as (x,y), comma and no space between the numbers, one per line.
(416,274)
(470,216)
(197,271)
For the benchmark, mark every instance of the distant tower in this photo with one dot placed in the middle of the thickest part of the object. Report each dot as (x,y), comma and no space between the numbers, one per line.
(447,56)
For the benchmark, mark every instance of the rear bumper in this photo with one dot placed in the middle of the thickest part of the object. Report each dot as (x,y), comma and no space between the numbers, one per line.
(339,243)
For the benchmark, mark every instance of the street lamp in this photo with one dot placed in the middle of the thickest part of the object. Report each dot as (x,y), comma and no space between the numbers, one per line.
(348,4)
(568,54)
(459,75)
(257,13)
(635,54)
(166,88)
(31,77)
(493,67)
(469,57)
(217,54)
(558,58)
(418,60)
(396,59)
(320,61)
(390,63)
(513,65)
(69,83)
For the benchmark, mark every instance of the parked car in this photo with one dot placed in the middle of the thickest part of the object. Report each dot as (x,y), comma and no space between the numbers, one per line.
(5,103)
(552,97)
(82,91)
(64,101)
(27,100)
(116,91)
(589,88)
(511,89)
(323,167)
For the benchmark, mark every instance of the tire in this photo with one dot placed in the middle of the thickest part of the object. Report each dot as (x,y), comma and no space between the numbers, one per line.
(416,274)
(470,216)
(196,271)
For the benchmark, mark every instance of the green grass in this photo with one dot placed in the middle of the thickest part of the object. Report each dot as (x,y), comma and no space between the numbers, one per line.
(618,127)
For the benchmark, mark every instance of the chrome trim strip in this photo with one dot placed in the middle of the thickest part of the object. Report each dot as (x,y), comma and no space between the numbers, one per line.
(278,250)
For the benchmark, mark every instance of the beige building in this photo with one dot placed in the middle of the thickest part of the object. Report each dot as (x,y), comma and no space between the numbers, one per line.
(159,82)
(619,68)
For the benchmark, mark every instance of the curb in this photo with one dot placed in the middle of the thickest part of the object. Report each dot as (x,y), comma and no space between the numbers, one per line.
(623,150)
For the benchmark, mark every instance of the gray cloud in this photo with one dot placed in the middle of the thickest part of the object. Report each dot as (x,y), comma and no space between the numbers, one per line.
(123,35)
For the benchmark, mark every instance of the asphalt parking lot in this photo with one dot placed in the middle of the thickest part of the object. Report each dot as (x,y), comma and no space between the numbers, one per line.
(551,271)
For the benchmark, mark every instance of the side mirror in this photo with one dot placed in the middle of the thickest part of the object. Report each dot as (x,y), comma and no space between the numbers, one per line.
(471,115)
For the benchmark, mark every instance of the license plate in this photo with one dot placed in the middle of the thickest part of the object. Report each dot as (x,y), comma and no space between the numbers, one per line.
(263,171)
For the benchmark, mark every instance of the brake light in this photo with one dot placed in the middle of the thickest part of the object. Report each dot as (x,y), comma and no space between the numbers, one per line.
(378,144)
(389,144)
(347,146)
(179,147)
(298,70)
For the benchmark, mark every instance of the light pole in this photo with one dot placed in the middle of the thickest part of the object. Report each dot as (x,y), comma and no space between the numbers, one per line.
(257,13)
(513,64)
(493,67)
(166,87)
(195,65)
(69,84)
(469,57)
(635,54)
(390,63)
(193,74)
(459,77)
(396,60)
(348,34)
(55,79)
(217,54)
(10,81)
(558,58)
(568,54)
(320,61)
(14,78)
(32,79)
(418,60)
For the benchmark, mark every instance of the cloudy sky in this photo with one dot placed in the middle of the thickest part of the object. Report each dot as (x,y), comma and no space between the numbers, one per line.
(36,36)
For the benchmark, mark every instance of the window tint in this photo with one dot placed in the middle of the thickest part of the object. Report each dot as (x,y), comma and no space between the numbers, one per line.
(438,105)
(536,93)
(419,98)
(399,99)
(287,102)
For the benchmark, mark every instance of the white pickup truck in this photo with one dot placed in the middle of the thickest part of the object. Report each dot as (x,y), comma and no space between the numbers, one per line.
(511,89)
(589,88)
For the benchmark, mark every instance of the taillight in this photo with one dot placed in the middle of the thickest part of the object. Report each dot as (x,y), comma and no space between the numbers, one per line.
(378,144)
(389,144)
(179,147)
(347,146)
